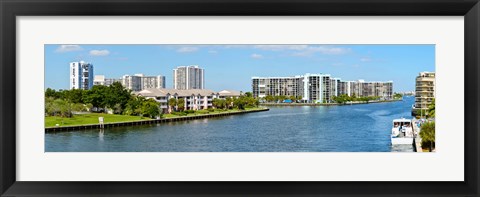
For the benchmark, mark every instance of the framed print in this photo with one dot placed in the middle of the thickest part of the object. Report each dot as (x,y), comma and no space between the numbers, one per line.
(259,98)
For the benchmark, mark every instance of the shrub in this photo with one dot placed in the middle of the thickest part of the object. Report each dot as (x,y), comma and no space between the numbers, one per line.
(189,111)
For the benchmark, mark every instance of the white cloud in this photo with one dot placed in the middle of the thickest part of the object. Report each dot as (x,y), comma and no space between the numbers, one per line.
(305,50)
(213,52)
(68,48)
(256,56)
(99,52)
(187,49)
(281,47)
(365,59)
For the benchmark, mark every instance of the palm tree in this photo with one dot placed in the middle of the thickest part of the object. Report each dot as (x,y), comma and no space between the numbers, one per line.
(229,101)
(181,104)
(427,133)
(172,103)
(431,109)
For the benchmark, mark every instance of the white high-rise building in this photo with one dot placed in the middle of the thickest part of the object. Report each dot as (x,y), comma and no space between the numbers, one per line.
(188,77)
(318,88)
(81,75)
(132,82)
(101,80)
(424,92)
(139,82)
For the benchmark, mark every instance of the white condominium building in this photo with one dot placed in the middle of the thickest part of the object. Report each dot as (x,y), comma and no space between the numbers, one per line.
(81,75)
(139,82)
(424,90)
(188,77)
(101,80)
(153,82)
(195,99)
(318,88)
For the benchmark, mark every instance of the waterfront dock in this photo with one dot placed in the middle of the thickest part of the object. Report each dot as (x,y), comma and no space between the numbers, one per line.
(146,122)
(417,141)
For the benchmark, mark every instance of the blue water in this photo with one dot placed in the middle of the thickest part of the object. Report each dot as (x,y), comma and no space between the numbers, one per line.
(350,128)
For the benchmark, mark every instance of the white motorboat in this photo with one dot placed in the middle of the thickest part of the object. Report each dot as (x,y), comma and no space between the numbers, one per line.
(402,131)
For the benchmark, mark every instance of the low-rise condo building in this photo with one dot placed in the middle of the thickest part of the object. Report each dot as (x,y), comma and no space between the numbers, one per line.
(424,92)
(195,99)
(318,88)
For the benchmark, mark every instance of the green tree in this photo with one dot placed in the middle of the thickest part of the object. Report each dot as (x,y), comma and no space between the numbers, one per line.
(74,95)
(269,98)
(63,108)
(219,103)
(51,93)
(427,133)
(299,98)
(342,99)
(293,98)
(240,103)
(97,96)
(172,102)
(248,94)
(134,106)
(431,110)
(397,96)
(151,108)
(229,102)
(181,104)
(117,97)
(49,106)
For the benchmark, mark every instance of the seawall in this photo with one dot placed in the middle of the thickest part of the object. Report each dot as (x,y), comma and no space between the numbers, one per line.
(146,122)
(325,104)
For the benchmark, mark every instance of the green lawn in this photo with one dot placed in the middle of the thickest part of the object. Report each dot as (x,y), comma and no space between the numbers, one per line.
(92,118)
(83,119)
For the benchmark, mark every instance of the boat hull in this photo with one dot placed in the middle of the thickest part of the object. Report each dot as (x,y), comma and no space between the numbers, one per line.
(402,140)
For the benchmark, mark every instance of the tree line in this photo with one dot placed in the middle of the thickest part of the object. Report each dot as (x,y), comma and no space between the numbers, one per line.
(114,97)
(242,102)
(281,98)
(427,131)
(344,98)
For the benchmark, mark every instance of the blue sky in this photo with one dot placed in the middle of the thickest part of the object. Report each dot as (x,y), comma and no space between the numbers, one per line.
(232,66)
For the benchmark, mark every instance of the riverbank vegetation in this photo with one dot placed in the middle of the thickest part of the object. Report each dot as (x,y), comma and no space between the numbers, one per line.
(427,130)
(77,106)
(114,99)
(208,111)
(281,99)
(344,98)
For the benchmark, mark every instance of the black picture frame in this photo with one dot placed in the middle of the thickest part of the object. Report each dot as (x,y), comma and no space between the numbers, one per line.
(9,9)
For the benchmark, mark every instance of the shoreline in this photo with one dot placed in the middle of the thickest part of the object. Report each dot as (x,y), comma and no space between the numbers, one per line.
(146,122)
(325,104)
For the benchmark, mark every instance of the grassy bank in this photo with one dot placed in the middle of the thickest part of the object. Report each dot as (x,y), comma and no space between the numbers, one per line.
(83,119)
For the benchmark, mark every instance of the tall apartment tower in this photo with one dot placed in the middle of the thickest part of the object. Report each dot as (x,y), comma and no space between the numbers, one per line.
(161,83)
(81,75)
(424,90)
(188,77)
(139,82)
(318,88)
(132,82)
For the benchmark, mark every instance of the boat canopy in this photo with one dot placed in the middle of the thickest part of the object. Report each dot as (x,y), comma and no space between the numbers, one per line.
(402,120)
